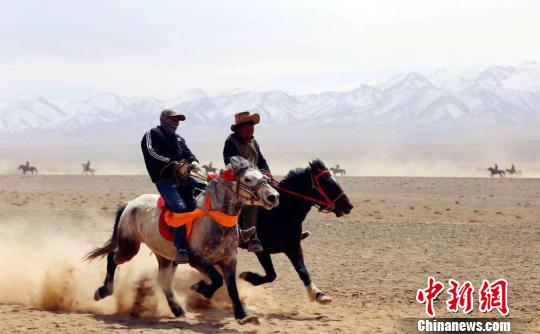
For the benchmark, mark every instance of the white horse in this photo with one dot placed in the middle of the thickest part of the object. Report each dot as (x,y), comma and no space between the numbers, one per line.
(210,244)
(87,169)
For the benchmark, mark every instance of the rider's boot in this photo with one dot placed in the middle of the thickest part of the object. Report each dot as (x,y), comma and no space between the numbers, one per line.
(182,255)
(254,245)
(251,214)
(245,235)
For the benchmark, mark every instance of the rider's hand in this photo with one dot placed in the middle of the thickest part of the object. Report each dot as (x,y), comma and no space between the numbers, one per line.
(195,166)
(181,167)
(266,174)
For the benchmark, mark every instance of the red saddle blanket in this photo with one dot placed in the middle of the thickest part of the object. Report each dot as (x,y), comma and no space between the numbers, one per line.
(164,229)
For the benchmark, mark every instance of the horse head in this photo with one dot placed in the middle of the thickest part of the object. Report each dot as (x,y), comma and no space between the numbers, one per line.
(326,187)
(251,186)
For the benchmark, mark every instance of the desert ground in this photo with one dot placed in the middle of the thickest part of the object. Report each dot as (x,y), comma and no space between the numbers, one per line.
(371,262)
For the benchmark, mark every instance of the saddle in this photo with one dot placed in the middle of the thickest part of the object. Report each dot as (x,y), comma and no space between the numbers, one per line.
(168,219)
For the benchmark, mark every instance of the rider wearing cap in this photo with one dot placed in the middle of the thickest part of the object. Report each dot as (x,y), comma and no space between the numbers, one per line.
(242,143)
(163,149)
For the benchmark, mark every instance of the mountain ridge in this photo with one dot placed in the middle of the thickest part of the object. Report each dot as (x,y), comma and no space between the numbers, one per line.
(494,96)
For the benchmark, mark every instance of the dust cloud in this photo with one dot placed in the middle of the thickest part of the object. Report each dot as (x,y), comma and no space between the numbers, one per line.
(43,269)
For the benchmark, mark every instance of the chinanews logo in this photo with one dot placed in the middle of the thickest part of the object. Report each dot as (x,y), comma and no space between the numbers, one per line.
(492,296)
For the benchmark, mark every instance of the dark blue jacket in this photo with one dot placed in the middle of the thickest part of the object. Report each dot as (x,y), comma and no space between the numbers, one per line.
(160,149)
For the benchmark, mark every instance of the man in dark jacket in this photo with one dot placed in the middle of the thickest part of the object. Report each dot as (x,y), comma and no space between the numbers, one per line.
(242,143)
(163,149)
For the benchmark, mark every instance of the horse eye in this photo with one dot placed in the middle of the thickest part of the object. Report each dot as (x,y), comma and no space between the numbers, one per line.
(248,179)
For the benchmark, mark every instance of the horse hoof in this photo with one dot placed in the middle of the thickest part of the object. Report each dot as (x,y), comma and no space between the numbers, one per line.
(249,319)
(97,295)
(202,289)
(322,298)
(177,311)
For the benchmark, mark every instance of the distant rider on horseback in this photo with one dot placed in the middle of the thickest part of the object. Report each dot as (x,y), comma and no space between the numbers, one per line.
(242,143)
(163,149)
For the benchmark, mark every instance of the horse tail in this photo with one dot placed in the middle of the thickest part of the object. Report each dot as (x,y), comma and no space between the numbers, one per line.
(112,243)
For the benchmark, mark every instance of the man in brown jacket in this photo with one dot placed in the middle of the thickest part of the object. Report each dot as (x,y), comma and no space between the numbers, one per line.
(242,143)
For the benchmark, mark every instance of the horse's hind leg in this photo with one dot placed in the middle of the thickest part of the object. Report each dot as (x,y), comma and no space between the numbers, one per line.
(207,268)
(268,266)
(165,278)
(297,259)
(107,288)
(127,249)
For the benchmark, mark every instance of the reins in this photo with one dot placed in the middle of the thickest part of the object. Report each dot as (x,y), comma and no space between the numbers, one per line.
(324,205)
(205,177)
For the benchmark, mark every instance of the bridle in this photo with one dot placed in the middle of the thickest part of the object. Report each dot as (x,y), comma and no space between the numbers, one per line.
(251,190)
(325,205)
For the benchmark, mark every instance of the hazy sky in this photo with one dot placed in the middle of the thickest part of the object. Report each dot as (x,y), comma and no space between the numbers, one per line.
(72,49)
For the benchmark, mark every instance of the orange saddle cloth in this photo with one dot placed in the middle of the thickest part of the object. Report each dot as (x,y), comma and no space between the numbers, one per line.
(169,219)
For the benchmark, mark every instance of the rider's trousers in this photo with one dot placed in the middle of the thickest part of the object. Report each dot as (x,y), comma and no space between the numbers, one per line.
(178,199)
(250,215)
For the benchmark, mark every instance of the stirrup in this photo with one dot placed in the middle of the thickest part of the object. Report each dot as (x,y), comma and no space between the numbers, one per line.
(246,235)
(255,246)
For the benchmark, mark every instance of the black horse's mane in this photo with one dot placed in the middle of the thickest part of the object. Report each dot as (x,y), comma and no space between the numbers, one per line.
(316,164)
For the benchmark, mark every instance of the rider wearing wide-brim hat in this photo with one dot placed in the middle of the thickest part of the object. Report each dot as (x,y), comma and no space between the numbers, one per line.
(242,143)
(162,150)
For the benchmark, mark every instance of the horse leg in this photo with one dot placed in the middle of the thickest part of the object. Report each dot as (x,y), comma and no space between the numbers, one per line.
(127,249)
(166,271)
(296,257)
(207,268)
(229,271)
(266,261)
(107,288)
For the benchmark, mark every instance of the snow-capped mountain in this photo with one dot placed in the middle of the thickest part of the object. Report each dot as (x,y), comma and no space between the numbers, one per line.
(495,96)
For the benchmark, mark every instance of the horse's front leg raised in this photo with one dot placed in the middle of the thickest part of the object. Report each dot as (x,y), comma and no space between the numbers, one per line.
(297,259)
(206,267)
(167,268)
(229,272)
(266,262)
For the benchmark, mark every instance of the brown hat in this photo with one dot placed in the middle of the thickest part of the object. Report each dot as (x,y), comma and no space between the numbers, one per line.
(172,113)
(245,117)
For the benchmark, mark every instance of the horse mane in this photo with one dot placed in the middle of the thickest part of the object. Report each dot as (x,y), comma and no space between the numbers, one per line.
(299,172)
(315,164)
(239,164)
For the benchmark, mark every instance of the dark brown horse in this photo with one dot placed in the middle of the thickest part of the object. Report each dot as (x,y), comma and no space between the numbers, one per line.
(280,229)
(25,168)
